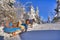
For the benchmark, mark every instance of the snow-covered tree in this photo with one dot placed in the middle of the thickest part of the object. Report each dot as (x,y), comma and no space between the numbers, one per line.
(7,10)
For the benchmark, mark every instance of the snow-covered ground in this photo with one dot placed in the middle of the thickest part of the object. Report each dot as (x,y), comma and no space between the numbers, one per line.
(50,26)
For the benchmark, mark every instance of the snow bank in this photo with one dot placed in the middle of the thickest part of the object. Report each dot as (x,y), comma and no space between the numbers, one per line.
(51,26)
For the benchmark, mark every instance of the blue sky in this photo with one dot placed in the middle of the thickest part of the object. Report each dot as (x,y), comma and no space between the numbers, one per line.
(46,7)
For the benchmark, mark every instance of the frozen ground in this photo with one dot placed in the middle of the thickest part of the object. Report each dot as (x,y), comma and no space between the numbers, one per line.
(50,26)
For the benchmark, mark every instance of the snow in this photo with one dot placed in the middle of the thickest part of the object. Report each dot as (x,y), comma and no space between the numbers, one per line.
(50,26)
(17,37)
